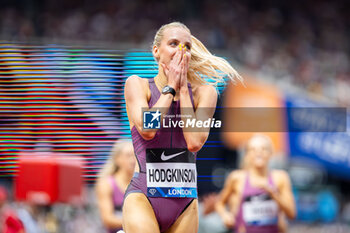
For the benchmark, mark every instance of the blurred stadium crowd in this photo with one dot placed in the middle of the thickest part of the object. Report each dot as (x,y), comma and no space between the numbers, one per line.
(303,44)
(35,218)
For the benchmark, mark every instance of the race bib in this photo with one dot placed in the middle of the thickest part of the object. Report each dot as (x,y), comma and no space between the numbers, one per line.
(260,210)
(171,173)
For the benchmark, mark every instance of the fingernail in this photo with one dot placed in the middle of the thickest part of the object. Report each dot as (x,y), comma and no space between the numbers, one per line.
(180,47)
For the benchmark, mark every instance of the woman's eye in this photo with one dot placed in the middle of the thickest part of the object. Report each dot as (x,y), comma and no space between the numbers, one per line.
(173,43)
(188,47)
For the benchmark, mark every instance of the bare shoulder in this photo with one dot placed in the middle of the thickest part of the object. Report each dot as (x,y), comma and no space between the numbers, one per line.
(204,89)
(135,80)
(204,95)
(237,175)
(280,176)
(136,85)
(234,180)
(280,173)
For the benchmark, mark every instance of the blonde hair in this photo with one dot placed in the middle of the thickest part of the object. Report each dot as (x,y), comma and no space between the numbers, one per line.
(110,167)
(203,64)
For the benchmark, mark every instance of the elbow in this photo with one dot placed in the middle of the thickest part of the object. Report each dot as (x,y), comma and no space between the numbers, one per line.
(195,144)
(147,135)
(195,141)
(194,147)
(291,214)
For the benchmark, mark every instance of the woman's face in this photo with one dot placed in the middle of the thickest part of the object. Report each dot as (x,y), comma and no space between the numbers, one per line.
(126,159)
(172,38)
(259,152)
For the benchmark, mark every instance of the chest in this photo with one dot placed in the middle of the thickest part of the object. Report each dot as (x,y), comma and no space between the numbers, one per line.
(194,92)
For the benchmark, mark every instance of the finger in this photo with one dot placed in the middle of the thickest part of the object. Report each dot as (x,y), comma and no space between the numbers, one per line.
(187,61)
(183,49)
(185,64)
(175,59)
(184,70)
(178,56)
(184,52)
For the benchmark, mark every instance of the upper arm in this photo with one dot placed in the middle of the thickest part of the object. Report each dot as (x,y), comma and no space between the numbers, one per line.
(135,98)
(285,188)
(206,102)
(104,200)
(229,188)
(204,110)
(285,183)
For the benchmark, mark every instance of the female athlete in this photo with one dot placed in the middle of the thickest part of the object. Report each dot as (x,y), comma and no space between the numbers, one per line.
(162,195)
(258,198)
(112,183)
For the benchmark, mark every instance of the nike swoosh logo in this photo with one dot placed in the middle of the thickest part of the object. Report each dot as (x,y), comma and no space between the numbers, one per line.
(167,157)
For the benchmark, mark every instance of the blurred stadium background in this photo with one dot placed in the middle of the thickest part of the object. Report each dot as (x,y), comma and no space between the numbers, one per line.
(63,65)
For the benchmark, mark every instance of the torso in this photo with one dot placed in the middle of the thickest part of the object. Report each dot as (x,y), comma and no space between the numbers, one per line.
(240,192)
(145,84)
(239,180)
(152,154)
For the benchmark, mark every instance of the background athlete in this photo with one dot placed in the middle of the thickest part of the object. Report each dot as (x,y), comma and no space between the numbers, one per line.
(112,183)
(258,198)
(178,88)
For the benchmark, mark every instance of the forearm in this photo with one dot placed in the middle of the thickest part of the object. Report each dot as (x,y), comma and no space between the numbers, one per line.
(226,216)
(220,208)
(195,137)
(162,105)
(285,205)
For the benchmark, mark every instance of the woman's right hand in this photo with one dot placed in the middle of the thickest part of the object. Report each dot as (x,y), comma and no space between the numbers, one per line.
(173,70)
